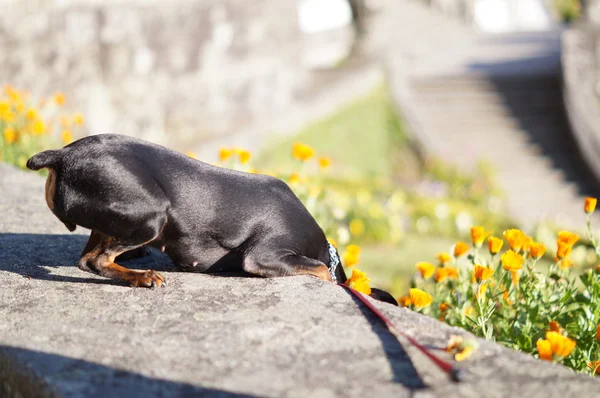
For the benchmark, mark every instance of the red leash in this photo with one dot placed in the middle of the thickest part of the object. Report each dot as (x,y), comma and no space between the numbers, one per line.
(447,367)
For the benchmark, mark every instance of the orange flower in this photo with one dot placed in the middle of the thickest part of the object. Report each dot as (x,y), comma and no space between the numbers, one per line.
(598,333)
(512,261)
(506,298)
(595,367)
(359,281)
(404,301)
(460,248)
(555,327)
(495,245)
(426,269)
(10,135)
(482,273)
(244,156)
(478,235)
(354,249)
(419,298)
(447,272)
(444,307)
(527,242)
(515,277)
(324,162)
(59,98)
(564,250)
(544,349)
(565,263)
(590,205)
(515,238)
(568,238)
(536,250)
(561,345)
(302,152)
(78,119)
(67,137)
(443,257)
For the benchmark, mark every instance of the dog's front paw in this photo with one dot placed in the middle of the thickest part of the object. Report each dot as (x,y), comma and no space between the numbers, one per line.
(148,278)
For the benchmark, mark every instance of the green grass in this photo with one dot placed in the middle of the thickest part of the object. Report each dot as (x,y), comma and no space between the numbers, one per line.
(362,139)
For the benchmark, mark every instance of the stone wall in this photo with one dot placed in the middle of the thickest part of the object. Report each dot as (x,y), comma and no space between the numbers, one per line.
(175,72)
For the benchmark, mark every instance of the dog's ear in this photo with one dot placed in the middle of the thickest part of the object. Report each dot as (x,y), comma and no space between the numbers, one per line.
(382,295)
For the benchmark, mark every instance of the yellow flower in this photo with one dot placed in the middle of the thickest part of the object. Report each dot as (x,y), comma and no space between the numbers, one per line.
(4,107)
(8,116)
(404,301)
(67,137)
(294,179)
(443,257)
(78,119)
(59,98)
(353,249)
(324,162)
(561,346)
(426,269)
(359,281)
(478,235)
(536,250)
(191,154)
(332,241)
(419,298)
(563,250)
(568,238)
(515,238)
(590,205)
(512,261)
(482,289)
(350,259)
(544,350)
(460,248)
(565,263)
(10,135)
(224,154)
(483,273)
(38,127)
(31,114)
(464,354)
(302,152)
(357,227)
(244,156)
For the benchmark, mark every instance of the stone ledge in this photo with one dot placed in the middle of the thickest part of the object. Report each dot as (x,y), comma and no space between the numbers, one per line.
(73,334)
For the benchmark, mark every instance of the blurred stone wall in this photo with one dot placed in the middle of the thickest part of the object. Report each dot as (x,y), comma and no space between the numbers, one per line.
(175,72)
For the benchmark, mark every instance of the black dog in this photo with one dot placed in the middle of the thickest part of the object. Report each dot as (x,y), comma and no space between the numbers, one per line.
(132,193)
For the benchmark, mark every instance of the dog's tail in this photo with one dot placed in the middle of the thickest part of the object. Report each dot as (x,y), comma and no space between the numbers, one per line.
(44,159)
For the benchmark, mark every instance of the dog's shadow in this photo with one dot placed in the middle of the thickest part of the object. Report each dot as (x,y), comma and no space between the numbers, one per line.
(35,255)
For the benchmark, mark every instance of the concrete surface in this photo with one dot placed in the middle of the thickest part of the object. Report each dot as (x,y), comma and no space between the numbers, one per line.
(67,333)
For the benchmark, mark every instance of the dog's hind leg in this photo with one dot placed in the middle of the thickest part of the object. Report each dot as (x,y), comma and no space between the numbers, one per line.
(99,257)
(269,265)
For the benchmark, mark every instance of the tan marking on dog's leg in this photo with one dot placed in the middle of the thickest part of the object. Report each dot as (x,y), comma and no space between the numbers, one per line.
(101,260)
(50,188)
(321,272)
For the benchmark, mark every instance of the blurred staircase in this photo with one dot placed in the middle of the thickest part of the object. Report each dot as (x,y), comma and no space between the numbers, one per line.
(470,97)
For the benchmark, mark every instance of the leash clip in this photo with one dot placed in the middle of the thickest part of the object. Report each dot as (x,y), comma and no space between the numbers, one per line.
(334,261)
